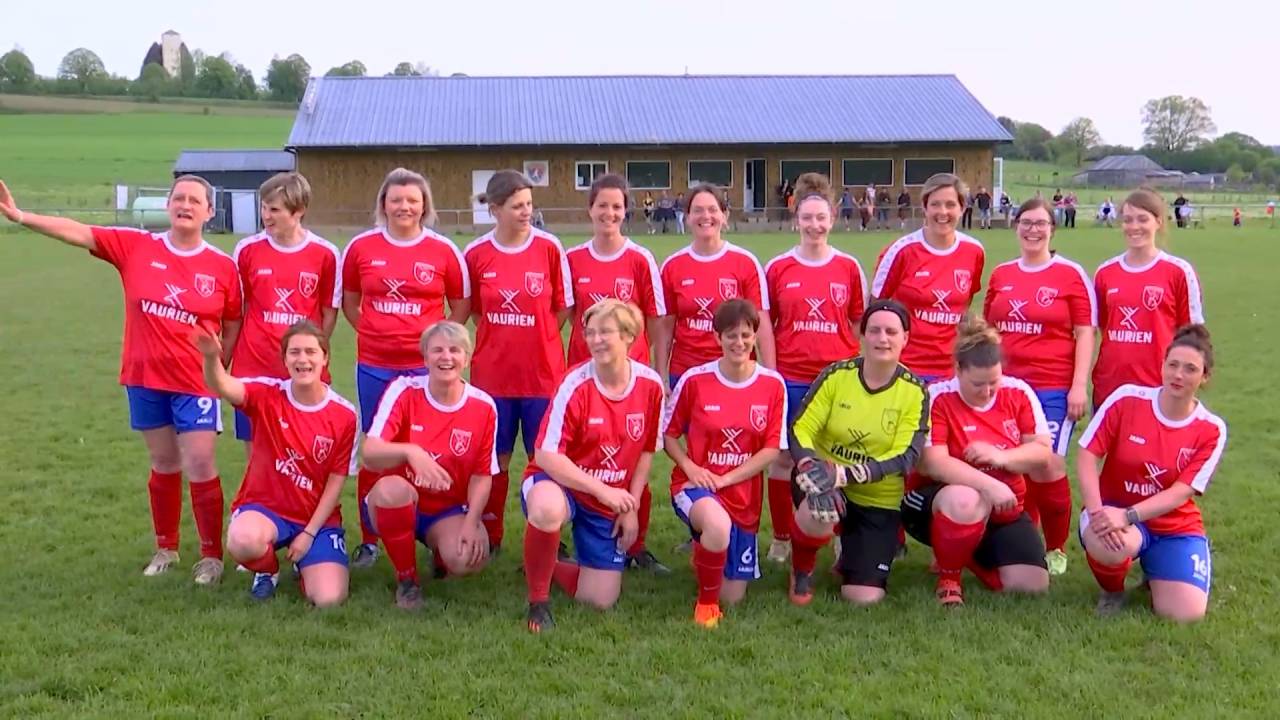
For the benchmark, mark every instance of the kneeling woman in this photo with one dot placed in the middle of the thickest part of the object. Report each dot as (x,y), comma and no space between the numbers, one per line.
(1142,504)
(301,452)
(868,416)
(732,413)
(590,466)
(439,431)
(987,432)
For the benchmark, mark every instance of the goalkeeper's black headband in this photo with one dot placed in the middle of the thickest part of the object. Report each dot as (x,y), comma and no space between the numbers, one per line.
(885,305)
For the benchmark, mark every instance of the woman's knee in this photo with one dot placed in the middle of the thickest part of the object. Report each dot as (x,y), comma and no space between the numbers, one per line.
(327,594)
(863,595)
(713,525)
(961,504)
(1024,579)
(392,491)
(546,508)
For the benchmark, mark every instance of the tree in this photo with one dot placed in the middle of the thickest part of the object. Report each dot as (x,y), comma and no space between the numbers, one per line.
(1098,152)
(1080,135)
(247,87)
(355,68)
(1031,142)
(16,70)
(217,79)
(1176,123)
(1008,124)
(405,69)
(154,83)
(81,66)
(187,73)
(287,78)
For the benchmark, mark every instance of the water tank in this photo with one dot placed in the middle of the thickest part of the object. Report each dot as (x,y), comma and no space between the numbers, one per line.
(149,212)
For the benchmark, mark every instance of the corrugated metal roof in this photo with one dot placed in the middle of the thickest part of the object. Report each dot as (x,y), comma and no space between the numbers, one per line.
(234,161)
(1127,162)
(639,110)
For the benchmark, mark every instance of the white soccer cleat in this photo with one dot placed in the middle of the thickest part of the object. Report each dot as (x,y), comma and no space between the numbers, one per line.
(161,562)
(779,551)
(208,571)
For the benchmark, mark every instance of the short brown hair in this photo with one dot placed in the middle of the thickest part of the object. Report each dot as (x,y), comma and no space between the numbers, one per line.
(813,185)
(1036,203)
(1153,202)
(939,181)
(293,189)
(610,181)
(1196,337)
(977,343)
(502,186)
(208,189)
(627,316)
(303,327)
(405,177)
(700,188)
(733,313)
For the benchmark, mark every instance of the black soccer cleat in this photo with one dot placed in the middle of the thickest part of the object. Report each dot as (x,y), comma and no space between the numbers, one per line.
(538,618)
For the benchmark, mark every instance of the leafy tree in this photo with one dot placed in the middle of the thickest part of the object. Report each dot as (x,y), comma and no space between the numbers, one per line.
(154,83)
(80,66)
(16,71)
(287,78)
(1031,142)
(405,69)
(247,87)
(355,68)
(1008,123)
(216,78)
(1079,136)
(1176,123)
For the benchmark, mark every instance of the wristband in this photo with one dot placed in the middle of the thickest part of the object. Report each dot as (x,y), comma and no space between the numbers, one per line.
(308,533)
(1131,516)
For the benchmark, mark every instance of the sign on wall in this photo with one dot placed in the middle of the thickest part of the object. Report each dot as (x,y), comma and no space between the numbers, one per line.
(538,172)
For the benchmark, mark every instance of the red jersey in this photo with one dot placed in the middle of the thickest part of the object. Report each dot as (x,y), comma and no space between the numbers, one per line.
(724,424)
(816,310)
(694,286)
(936,287)
(605,436)
(1146,453)
(458,437)
(1011,414)
(402,286)
(282,285)
(167,292)
(629,275)
(1036,310)
(295,449)
(1139,308)
(518,291)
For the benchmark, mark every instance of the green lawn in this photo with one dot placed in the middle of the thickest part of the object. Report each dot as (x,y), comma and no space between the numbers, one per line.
(84,634)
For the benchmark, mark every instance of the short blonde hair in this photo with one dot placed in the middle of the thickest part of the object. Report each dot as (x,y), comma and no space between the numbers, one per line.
(208,189)
(627,316)
(405,177)
(452,331)
(292,188)
(938,181)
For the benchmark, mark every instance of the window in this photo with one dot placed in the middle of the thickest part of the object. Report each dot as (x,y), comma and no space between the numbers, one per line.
(867,172)
(792,169)
(715,172)
(649,174)
(585,172)
(917,170)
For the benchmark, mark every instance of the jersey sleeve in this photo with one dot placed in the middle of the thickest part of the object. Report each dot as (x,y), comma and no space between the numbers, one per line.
(1102,429)
(653,302)
(908,437)
(1081,304)
(753,285)
(1190,307)
(939,432)
(1204,460)
(330,280)
(342,461)
(233,306)
(561,279)
(390,421)
(457,281)
(668,286)
(255,395)
(1029,413)
(813,415)
(979,264)
(775,432)
(888,274)
(675,417)
(115,244)
(351,267)
(487,458)
(858,297)
(653,437)
(561,421)
(990,297)
(1100,297)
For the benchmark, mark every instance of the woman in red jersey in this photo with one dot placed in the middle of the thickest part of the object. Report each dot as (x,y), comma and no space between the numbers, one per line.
(288,274)
(610,265)
(439,431)
(732,414)
(172,282)
(1142,503)
(592,462)
(523,297)
(986,432)
(1043,306)
(303,449)
(935,272)
(396,279)
(1143,295)
(817,294)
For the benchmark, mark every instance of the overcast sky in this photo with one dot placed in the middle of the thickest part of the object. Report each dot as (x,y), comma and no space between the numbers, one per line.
(1040,61)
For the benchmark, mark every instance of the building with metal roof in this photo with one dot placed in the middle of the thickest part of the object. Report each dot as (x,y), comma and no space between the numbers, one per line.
(235,176)
(1125,171)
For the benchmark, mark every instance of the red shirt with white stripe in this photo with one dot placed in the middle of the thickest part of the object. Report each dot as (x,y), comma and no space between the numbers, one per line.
(694,286)
(459,437)
(403,285)
(936,287)
(1147,452)
(1036,310)
(1013,413)
(167,292)
(1139,308)
(630,275)
(724,423)
(295,448)
(518,291)
(603,435)
(282,285)
(816,310)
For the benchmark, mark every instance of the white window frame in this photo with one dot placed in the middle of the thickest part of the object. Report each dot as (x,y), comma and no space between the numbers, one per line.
(812,160)
(952,160)
(655,187)
(844,182)
(579,163)
(688,172)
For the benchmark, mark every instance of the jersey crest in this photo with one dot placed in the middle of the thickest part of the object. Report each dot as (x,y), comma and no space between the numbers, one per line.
(728,288)
(963,280)
(459,441)
(1046,295)
(534,282)
(889,420)
(839,293)
(1151,296)
(307,283)
(624,289)
(205,284)
(1011,430)
(635,425)
(321,447)
(424,273)
(759,417)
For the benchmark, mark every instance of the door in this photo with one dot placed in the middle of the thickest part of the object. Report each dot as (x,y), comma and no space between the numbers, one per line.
(244,212)
(754,187)
(480,211)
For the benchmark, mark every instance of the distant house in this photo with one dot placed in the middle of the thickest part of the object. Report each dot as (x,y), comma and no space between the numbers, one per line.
(235,176)
(1127,171)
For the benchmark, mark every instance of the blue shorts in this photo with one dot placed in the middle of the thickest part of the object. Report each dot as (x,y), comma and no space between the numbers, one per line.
(743,563)
(1054,403)
(151,409)
(523,414)
(243,429)
(1175,558)
(329,546)
(594,545)
(795,398)
(424,523)
(673,378)
(371,383)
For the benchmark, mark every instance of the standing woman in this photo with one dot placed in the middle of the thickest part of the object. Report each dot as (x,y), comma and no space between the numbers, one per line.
(523,296)
(594,452)
(1143,295)
(1142,504)
(817,294)
(1044,308)
(934,272)
(289,274)
(395,281)
(172,282)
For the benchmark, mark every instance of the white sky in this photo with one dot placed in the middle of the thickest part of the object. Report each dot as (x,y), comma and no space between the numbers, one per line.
(1040,61)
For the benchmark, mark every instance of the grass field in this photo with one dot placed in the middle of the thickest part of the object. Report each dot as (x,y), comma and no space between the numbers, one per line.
(1023,178)
(84,634)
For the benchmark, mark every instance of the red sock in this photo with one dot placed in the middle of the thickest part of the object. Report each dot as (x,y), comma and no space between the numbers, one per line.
(495,509)
(1053,500)
(646,506)
(539,561)
(565,576)
(268,563)
(1109,577)
(804,549)
(709,567)
(365,480)
(165,490)
(989,576)
(781,510)
(206,505)
(396,526)
(954,543)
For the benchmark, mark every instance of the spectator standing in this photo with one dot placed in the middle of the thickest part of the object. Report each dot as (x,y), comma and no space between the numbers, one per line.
(983,201)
